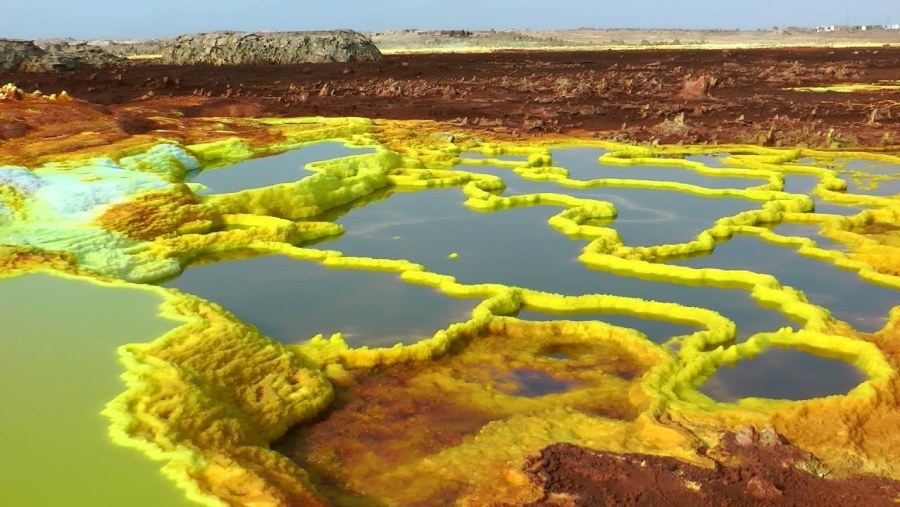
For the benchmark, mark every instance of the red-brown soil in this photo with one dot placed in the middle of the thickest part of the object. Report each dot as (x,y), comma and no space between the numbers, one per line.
(750,470)
(724,95)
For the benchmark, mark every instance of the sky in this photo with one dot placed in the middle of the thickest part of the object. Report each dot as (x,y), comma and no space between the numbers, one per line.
(87,19)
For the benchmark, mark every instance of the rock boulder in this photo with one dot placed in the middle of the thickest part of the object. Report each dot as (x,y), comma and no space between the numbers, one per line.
(15,54)
(26,56)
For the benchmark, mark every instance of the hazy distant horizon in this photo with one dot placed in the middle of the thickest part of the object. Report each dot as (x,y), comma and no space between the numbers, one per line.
(394,30)
(114,19)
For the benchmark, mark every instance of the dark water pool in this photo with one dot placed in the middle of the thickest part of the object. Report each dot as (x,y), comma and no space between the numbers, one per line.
(515,247)
(804,184)
(708,160)
(810,231)
(850,298)
(868,177)
(645,216)
(292,301)
(782,374)
(270,170)
(865,177)
(582,164)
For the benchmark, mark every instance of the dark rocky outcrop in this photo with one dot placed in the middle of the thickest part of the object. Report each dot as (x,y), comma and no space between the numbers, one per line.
(18,54)
(232,48)
(26,56)
(79,56)
(117,47)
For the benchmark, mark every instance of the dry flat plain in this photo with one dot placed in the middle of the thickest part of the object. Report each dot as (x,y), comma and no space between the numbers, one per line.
(758,96)
(424,40)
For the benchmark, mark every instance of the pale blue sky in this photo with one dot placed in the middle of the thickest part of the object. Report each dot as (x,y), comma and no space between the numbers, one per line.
(164,18)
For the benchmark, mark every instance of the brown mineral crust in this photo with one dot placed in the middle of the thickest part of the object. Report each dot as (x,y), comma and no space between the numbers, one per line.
(153,214)
(879,228)
(384,426)
(749,470)
(726,96)
(13,259)
(35,129)
(374,429)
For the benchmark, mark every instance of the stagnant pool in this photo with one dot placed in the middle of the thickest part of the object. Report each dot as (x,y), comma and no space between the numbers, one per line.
(59,373)
(292,300)
(271,168)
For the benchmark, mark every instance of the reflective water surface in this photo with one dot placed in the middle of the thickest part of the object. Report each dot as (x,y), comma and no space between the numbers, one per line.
(582,164)
(59,368)
(784,374)
(270,170)
(291,301)
(868,177)
(294,300)
(515,247)
(804,184)
(850,298)
(645,216)
(810,231)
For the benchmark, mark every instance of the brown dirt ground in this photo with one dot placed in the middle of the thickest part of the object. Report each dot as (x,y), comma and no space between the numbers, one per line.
(750,470)
(724,95)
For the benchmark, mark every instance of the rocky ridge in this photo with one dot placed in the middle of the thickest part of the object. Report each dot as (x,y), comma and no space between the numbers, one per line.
(26,56)
(118,47)
(235,48)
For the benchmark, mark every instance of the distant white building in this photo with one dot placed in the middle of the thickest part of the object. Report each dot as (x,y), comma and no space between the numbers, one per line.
(825,28)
